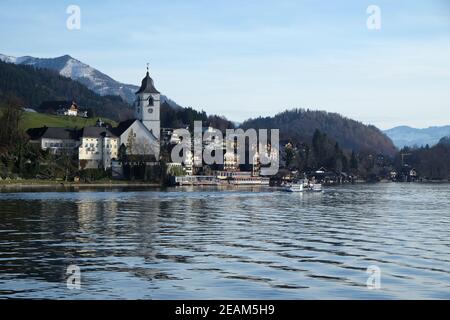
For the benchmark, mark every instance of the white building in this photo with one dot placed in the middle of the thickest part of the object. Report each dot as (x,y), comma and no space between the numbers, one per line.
(68,109)
(98,147)
(56,140)
(141,136)
(72,111)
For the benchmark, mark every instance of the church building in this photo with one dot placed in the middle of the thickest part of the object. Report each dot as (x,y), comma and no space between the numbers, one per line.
(99,146)
(141,135)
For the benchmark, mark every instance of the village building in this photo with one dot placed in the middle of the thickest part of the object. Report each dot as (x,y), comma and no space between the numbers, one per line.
(56,140)
(64,108)
(72,111)
(231,161)
(141,135)
(99,146)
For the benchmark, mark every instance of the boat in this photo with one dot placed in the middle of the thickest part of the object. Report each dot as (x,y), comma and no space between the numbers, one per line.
(302,186)
(316,187)
(294,187)
(238,180)
(260,181)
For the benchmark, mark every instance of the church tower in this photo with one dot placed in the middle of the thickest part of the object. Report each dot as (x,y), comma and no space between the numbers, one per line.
(147,106)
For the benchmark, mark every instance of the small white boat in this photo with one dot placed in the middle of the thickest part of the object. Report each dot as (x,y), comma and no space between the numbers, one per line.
(294,187)
(317,187)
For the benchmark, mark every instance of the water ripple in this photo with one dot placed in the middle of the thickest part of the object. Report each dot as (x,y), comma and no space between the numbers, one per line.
(224,243)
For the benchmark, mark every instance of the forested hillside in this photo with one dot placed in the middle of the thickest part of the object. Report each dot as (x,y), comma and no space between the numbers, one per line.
(35,86)
(182,117)
(430,162)
(299,125)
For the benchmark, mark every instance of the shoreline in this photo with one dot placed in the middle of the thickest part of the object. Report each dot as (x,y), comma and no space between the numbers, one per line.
(18,184)
(61,184)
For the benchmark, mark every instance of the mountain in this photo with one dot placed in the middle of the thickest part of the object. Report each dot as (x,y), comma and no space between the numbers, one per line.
(35,86)
(445,141)
(299,125)
(406,136)
(74,69)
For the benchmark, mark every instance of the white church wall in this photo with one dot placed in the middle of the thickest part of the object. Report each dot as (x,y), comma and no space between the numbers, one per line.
(142,141)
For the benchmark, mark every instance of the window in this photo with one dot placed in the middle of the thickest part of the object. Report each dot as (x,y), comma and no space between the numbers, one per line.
(150,101)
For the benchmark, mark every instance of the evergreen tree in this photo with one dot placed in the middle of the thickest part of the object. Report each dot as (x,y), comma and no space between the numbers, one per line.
(353,162)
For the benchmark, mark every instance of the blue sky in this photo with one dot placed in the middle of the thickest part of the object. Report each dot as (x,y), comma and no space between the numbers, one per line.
(243,59)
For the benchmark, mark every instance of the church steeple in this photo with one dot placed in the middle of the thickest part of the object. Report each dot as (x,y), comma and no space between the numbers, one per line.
(148,105)
(147,85)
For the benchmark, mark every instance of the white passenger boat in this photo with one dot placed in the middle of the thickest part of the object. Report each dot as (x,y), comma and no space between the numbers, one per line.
(302,186)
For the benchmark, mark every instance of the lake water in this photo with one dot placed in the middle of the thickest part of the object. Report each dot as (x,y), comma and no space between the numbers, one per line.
(205,243)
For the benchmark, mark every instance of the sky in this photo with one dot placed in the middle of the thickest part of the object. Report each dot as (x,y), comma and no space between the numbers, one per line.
(244,59)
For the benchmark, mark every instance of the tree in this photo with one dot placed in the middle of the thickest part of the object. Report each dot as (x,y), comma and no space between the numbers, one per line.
(122,153)
(353,162)
(289,154)
(67,163)
(130,142)
(10,132)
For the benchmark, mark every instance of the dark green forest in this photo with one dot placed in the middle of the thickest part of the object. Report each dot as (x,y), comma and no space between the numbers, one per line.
(35,86)
(185,117)
(299,125)
(431,163)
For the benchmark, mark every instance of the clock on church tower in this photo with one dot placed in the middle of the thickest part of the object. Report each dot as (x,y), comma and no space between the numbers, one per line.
(148,105)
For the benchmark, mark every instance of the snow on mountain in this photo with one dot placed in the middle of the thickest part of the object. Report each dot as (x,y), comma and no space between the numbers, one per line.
(8,59)
(405,136)
(11,59)
(95,80)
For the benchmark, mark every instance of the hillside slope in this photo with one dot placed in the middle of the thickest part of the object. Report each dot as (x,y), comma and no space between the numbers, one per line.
(34,86)
(77,70)
(298,125)
(35,120)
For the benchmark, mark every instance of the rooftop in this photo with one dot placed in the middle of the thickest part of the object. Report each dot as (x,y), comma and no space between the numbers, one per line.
(147,85)
(53,133)
(96,132)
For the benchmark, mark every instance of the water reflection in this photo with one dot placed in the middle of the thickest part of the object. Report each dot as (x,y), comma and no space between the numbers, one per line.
(227,243)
